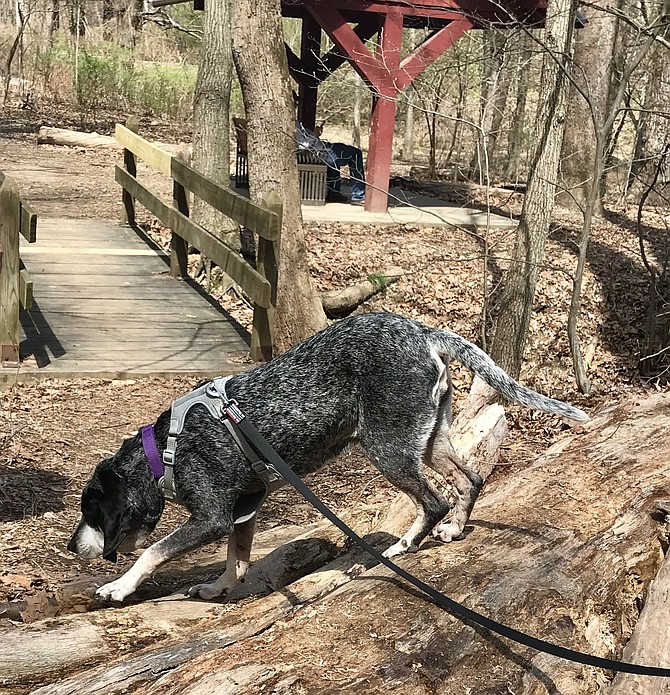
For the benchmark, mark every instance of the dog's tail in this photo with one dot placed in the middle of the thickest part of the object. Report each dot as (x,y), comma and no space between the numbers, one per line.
(455,346)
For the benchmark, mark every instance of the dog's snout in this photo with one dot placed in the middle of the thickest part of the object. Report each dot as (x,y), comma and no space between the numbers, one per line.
(87,542)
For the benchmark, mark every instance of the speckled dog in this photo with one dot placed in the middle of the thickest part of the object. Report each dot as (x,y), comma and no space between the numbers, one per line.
(378,379)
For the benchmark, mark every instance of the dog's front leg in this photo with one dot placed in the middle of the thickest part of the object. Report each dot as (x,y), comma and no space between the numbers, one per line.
(192,534)
(237,563)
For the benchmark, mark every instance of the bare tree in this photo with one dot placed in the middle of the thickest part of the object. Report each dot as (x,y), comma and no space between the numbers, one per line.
(211,130)
(653,131)
(651,34)
(592,72)
(519,290)
(495,87)
(260,59)
(515,135)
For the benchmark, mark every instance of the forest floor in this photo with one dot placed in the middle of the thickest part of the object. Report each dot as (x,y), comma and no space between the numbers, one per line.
(52,433)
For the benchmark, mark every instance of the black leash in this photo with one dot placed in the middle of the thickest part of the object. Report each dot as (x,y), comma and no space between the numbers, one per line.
(245,429)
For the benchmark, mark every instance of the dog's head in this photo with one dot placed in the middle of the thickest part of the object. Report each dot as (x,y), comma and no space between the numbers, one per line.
(120,505)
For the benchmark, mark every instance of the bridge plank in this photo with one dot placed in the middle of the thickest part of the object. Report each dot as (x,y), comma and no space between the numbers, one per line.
(116,313)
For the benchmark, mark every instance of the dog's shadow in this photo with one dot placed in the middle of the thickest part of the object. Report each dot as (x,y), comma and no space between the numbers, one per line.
(282,566)
(30,492)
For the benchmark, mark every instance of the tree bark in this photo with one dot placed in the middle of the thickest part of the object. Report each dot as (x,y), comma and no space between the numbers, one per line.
(211,127)
(30,654)
(260,60)
(650,643)
(592,71)
(518,293)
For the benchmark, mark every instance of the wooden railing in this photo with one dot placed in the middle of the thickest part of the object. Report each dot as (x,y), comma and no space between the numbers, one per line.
(16,287)
(259,283)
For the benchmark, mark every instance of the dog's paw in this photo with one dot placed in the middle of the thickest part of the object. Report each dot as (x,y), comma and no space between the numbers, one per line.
(447,532)
(114,591)
(399,548)
(208,591)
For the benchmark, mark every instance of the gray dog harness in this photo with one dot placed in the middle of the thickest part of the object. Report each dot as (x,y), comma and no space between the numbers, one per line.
(213,396)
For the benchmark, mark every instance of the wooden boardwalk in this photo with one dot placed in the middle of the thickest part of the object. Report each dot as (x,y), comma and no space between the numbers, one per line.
(105,306)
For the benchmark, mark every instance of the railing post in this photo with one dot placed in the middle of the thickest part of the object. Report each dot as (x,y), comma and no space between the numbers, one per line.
(262,337)
(179,246)
(10,222)
(130,164)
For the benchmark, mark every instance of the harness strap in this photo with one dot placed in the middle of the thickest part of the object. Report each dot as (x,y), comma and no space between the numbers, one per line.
(246,429)
(213,396)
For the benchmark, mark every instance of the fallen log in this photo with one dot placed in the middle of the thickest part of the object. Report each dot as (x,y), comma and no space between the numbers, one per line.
(29,654)
(650,642)
(75,138)
(338,303)
(76,595)
(218,626)
(561,550)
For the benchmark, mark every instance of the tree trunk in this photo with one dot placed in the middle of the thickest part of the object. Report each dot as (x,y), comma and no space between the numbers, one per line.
(515,139)
(593,61)
(211,127)
(260,59)
(650,643)
(516,302)
(653,132)
(356,128)
(408,137)
(496,83)
(338,303)
(74,138)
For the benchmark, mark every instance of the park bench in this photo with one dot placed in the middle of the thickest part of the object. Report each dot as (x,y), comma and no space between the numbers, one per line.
(311,168)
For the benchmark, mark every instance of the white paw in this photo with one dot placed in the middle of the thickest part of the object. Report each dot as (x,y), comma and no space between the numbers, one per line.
(399,548)
(447,532)
(114,591)
(208,591)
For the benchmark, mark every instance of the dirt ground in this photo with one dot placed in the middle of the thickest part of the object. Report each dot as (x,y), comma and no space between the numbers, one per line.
(52,433)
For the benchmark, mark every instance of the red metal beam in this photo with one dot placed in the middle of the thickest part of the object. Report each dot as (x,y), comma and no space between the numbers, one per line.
(380,152)
(366,65)
(430,50)
(332,60)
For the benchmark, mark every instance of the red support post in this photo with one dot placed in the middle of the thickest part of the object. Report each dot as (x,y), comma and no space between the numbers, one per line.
(380,153)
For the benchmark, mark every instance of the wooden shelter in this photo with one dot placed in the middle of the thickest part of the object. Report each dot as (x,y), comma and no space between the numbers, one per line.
(351,23)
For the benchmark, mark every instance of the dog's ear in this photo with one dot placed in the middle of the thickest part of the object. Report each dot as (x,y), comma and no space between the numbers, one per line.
(112,510)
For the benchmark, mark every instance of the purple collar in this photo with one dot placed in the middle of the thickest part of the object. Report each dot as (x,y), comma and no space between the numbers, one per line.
(151,451)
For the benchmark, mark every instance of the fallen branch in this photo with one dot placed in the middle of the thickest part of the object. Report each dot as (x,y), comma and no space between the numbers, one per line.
(218,625)
(338,303)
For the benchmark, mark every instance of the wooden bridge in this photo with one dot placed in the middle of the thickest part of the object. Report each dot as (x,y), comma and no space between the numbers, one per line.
(100,299)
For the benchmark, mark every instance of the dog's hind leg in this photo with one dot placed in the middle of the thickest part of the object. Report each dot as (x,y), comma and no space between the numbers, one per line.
(442,457)
(237,563)
(405,473)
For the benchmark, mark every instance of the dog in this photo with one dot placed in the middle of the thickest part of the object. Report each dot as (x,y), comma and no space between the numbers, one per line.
(378,379)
